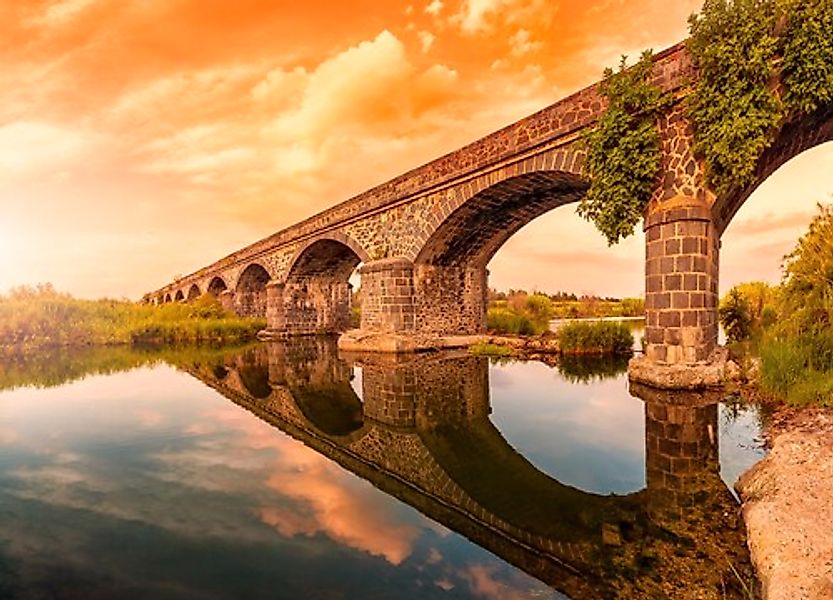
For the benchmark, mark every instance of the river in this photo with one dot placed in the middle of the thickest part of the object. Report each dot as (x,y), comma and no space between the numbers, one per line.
(289,471)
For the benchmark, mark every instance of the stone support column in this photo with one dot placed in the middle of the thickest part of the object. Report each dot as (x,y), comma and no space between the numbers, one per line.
(389,392)
(388,296)
(681,271)
(275,313)
(451,300)
(226,299)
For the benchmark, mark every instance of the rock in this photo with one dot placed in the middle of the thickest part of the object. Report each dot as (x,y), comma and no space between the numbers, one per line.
(788,510)
(733,371)
(695,376)
(753,372)
(611,536)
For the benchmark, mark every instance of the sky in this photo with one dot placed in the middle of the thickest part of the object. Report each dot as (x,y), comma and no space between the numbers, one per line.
(143,140)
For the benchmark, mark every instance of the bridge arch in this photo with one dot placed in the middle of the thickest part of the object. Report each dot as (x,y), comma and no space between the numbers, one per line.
(792,140)
(450,277)
(250,292)
(180,297)
(315,295)
(216,286)
(167,298)
(193,292)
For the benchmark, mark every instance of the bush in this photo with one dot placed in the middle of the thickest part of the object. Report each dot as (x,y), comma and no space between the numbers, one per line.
(43,317)
(783,363)
(734,313)
(503,320)
(598,337)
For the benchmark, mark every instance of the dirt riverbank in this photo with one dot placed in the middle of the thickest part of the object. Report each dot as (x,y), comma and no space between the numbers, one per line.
(788,506)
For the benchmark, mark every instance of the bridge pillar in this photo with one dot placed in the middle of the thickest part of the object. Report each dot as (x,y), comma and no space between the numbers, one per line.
(388,296)
(389,391)
(451,300)
(681,297)
(307,306)
(275,313)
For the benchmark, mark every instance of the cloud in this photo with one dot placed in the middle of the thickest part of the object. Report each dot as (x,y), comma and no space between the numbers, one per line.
(59,13)
(28,147)
(426,38)
(522,43)
(435,8)
(483,16)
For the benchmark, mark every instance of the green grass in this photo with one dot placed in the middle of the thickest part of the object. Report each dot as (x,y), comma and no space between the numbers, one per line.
(34,318)
(490,350)
(798,370)
(504,320)
(595,337)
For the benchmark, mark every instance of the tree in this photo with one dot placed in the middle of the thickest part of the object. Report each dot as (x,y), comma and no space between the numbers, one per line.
(735,316)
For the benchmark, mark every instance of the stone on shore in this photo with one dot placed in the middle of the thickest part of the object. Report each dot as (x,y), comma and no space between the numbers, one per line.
(789,512)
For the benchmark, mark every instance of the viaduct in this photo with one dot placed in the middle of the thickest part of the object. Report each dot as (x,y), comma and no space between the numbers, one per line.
(424,239)
(419,430)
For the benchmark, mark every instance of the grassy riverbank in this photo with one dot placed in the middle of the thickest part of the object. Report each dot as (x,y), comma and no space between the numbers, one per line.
(790,326)
(41,317)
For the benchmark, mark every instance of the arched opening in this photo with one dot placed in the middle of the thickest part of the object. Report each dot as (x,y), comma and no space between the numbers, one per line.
(179,296)
(167,298)
(193,292)
(251,291)
(450,272)
(217,286)
(332,407)
(768,224)
(317,296)
(255,378)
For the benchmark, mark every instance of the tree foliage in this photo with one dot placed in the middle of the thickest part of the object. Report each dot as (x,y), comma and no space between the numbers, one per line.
(807,291)
(623,151)
(734,109)
(735,316)
(742,48)
(808,55)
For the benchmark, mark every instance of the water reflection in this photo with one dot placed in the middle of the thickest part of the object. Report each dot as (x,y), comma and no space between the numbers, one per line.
(423,433)
(428,430)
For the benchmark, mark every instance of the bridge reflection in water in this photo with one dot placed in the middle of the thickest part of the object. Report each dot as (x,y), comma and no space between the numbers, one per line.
(420,431)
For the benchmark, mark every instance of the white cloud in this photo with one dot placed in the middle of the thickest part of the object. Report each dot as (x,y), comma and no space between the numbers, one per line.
(522,43)
(62,11)
(35,147)
(473,14)
(435,8)
(426,39)
(477,16)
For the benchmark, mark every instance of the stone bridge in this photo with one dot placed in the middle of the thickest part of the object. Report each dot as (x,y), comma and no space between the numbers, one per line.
(424,239)
(419,430)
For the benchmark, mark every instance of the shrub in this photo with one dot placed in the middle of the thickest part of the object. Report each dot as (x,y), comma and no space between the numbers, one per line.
(42,317)
(598,337)
(503,320)
(735,316)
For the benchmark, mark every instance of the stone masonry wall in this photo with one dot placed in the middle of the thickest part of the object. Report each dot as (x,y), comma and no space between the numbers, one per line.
(450,300)
(388,296)
(681,284)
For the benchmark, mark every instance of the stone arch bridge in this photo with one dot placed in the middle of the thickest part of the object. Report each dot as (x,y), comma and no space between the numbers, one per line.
(424,239)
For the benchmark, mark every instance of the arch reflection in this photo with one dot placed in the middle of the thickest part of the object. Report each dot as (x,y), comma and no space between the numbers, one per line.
(422,432)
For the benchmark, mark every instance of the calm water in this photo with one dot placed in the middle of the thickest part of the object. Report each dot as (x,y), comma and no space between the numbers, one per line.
(290,472)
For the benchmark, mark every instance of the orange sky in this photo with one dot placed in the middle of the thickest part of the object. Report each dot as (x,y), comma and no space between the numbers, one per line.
(140,140)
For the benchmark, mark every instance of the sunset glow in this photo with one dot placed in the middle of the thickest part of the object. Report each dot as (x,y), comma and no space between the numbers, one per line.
(139,141)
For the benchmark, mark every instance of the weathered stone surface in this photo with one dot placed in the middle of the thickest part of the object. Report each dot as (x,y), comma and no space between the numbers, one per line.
(697,376)
(788,513)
